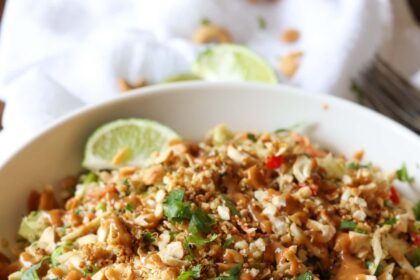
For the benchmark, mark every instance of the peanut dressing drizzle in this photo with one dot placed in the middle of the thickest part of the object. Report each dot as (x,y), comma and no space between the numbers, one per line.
(350,268)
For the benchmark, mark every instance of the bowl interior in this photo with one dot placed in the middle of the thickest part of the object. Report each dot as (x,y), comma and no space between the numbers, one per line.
(194,108)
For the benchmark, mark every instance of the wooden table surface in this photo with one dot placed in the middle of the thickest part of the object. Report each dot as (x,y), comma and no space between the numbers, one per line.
(1,103)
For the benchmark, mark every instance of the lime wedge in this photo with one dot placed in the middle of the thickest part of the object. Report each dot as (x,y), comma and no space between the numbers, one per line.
(181,77)
(125,142)
(227,62)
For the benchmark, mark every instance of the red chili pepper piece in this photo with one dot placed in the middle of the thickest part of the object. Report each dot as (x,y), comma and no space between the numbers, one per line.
(274,162)
(314,189)
(394,196)
(415,238)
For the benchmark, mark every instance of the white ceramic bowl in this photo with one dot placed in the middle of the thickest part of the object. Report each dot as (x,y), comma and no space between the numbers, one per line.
(192,109)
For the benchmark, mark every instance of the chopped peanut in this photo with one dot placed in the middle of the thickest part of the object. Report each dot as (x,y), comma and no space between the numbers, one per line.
(289,63)
(290,35)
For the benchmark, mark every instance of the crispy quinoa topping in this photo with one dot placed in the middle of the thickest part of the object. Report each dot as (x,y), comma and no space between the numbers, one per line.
(235,206)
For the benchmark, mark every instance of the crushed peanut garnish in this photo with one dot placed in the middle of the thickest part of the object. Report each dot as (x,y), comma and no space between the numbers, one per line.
(289,63)
(290,35)
(211,33)
(124,85)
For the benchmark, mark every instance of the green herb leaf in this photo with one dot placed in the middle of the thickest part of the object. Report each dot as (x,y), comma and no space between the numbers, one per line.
(360,230)
(357,165)
(262,24)
(187,247)
(101,206)
(414,257)
(288,129)
(148,238)
(129,207)
(379,269)
(205,21)
(89,270)
(200,222)
(305,276)
(31,273)
(353,165)
(402,174)
(360,95)
(251,137)
(416,210)
(388,203)
(228,242)
(199,241)
(56,253)
(391,221)
(175,209)
(90,178)
(193,273)
(173,234)
(233,274)
(348,224)
(230,204)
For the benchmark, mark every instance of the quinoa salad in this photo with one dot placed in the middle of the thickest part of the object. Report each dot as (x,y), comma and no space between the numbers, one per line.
(235,206)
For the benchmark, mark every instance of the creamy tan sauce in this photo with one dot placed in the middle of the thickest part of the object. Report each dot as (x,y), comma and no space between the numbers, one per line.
(350,267)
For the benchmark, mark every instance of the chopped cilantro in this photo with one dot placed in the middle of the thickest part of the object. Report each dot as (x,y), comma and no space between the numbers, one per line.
(288,129)
(305,276)
(56,253)
(360,230)
(391,221)
(90,178)
(78,212)
(193,273)
(230,204)
(31,273)
(205,21)
(378,271)
(228,242)
(187,247)
(357,165)
(262,24)
(89,270)
(348,224)
(129,207)
(233,274)
(402,174)
(175,209)
(148,238)
(172,235)
(416,210)
(125,182)
(199,241)
(70,190)
(200,222)
(352,165)
(388,203)
(417,226)
(101,206)
(63,230)
(360,95)
(414,257)
(251,137)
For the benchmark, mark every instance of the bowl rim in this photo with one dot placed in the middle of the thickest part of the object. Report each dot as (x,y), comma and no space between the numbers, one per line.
(163,89)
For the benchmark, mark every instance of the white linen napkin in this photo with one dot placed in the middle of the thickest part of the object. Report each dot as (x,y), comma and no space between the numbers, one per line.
(59,55)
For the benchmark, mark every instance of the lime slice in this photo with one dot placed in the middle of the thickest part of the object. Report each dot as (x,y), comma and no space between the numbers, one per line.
(227,62)
(126,142)
(181,77)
